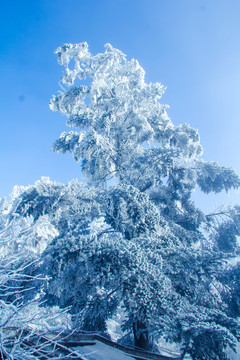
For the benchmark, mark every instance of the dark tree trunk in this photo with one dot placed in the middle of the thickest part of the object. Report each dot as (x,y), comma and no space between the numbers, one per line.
(141,337)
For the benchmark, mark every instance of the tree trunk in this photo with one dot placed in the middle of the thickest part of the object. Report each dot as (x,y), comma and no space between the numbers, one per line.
(141,338)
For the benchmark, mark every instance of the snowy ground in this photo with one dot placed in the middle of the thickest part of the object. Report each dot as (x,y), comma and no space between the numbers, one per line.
(233,355)
(101,351)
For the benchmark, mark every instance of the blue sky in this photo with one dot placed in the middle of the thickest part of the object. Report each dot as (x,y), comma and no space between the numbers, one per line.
(191,46)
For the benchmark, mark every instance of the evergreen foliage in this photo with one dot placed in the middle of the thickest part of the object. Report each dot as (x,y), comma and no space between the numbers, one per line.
(131,236)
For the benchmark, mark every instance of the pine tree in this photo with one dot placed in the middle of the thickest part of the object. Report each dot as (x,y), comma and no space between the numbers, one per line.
(131,236)
(127,137)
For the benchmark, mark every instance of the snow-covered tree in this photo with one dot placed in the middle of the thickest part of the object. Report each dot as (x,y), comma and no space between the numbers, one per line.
(131,236)
(126,139)
(112,248)
(24,320)
(125,133)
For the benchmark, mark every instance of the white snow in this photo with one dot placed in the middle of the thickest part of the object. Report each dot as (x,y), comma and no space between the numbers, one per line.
(100,351)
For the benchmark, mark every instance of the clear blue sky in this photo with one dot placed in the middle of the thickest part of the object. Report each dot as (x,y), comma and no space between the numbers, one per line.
(191,46)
